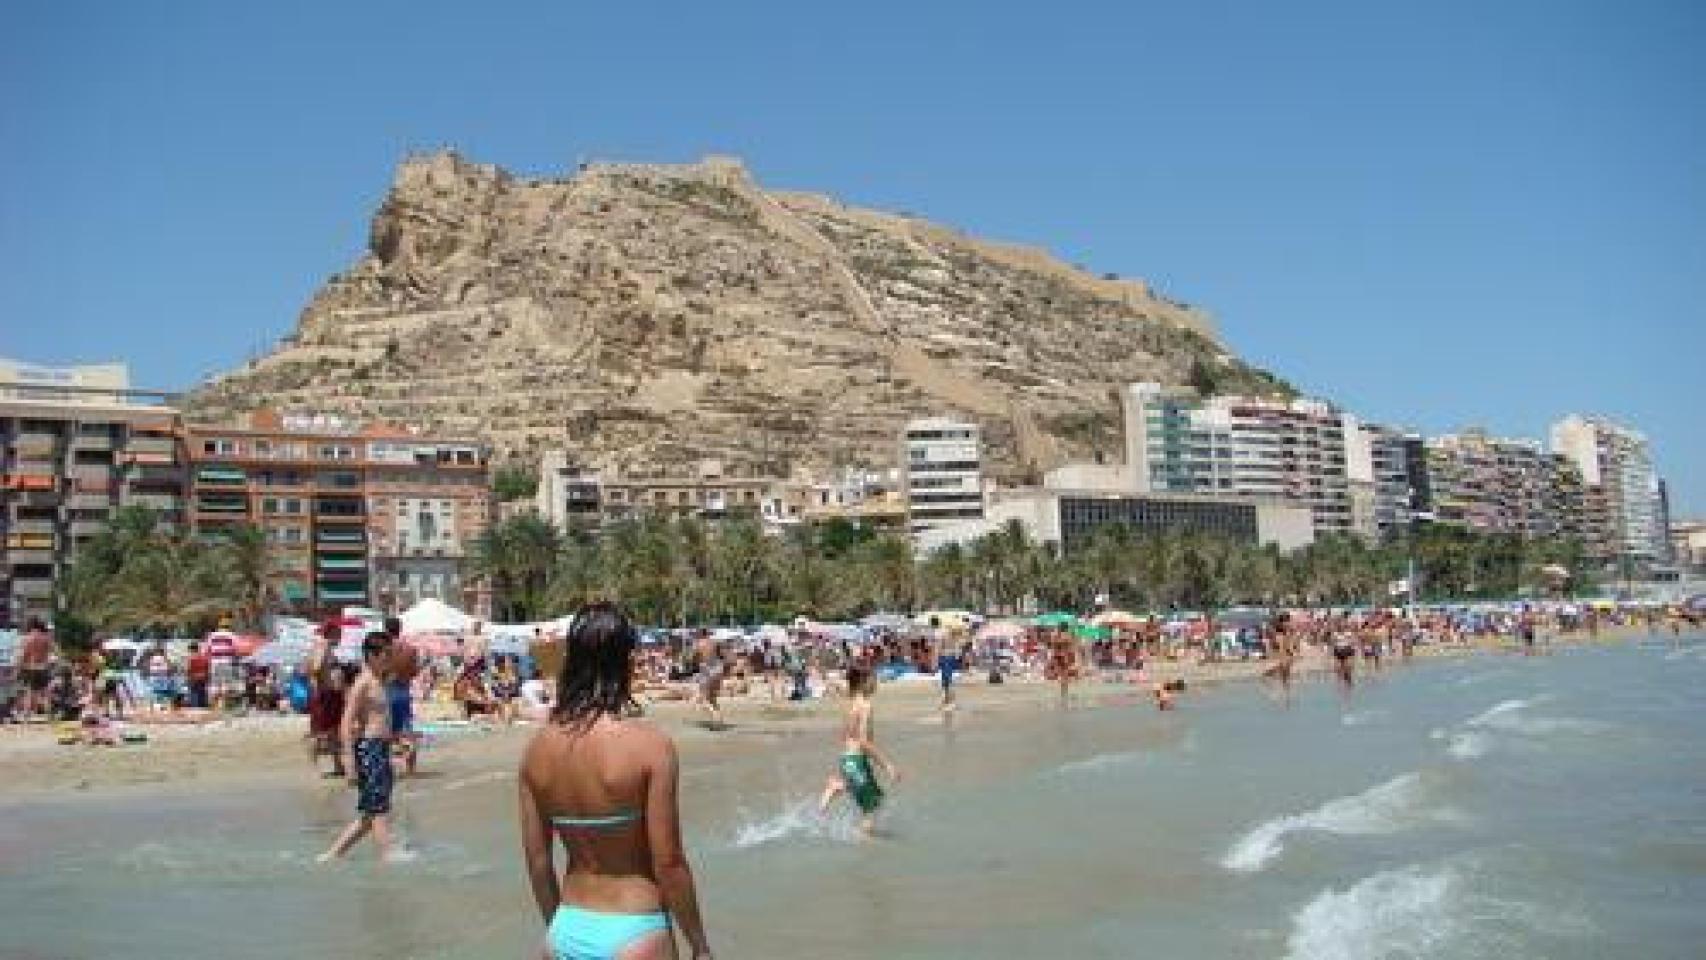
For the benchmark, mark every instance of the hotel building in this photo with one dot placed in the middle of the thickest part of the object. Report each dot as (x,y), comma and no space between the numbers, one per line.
(356,514)
(941,464)
(78,444)
(1178,442)
(1622,516)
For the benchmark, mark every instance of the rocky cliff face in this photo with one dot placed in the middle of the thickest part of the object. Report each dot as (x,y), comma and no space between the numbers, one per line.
(651,316)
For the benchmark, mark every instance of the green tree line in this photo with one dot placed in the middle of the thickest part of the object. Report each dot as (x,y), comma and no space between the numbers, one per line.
(682,570)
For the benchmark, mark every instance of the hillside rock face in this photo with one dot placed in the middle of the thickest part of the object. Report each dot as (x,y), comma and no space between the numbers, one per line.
(648,317)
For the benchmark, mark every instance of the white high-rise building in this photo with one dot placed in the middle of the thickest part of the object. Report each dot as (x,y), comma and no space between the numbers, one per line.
(1616,465)
(941,466)
(1291,451)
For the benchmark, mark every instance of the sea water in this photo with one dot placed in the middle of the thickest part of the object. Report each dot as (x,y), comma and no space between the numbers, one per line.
(1505,806)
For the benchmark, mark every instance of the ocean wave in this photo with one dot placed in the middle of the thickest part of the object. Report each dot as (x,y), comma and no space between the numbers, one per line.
(799,819)
(1397,804)
(1511,717)
(1402,913)
(1469,746)
(1099,762)
(1360,717)
(1424,911)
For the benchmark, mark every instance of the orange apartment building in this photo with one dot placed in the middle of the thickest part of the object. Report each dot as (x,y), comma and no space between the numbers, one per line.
(368,515)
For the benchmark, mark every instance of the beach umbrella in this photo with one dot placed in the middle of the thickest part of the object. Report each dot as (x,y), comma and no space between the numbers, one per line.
(433,615)
(1001,630)
(1059,618)
(884,621)
(1116,618)
(1089,632)
(944,618)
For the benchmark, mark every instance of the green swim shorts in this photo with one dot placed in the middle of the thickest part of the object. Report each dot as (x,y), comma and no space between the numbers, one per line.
(861,781)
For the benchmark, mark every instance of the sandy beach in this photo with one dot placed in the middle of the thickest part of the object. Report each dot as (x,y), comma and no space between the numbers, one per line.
(258,748)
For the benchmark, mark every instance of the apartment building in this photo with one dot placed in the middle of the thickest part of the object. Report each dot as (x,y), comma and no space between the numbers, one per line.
(1622,511)
(1292,452)
(1392,461)
(78,444)
(1501,485)
(941,463)
(356,514)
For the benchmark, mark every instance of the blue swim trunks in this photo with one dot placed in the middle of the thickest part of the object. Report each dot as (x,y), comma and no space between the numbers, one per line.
(947,666)
(373,777)
(402,708)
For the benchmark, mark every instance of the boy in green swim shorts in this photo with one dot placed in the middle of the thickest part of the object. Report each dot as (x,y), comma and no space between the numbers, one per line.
(858,750)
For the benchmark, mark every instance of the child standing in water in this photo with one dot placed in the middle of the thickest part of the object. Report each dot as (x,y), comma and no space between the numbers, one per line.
(858,749)
(366,734)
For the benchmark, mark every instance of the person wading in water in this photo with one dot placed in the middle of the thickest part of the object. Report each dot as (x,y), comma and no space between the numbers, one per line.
(605,788)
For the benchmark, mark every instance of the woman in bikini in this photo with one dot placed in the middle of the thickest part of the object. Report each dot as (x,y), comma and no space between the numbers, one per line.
(605,788)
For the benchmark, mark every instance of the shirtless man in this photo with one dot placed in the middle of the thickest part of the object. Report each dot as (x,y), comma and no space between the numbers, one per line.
(858,749)
(35,662)
(1285,644)
(1061,662)
(366,736)
(399,693)
(711,670)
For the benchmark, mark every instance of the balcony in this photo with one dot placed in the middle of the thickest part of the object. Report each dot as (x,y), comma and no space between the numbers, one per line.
(152,447)
(29,556)
(93,442)
(337,564)
(32,589)
(220,477)
(89,501)
(36,498)
(156,474)
(154,501)
(341,592)
(39,526)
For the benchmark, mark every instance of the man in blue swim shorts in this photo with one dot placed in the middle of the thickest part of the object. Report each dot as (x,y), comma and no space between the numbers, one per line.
(366,729)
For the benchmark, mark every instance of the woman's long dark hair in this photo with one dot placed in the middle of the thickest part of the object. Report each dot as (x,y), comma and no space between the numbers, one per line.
(598,674)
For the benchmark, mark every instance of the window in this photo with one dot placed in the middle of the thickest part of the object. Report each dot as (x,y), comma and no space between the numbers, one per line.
(220,447)
(336,451)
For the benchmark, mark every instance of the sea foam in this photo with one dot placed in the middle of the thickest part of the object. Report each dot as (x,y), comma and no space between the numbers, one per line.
(1100,762)
(1401,913)
(1512,716)
(1450,908)
(1395,805)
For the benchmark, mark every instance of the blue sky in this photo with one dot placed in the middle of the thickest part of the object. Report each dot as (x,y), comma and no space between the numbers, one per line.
(1437,214)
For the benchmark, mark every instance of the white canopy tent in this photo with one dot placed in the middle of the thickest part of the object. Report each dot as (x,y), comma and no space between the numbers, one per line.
(435,616)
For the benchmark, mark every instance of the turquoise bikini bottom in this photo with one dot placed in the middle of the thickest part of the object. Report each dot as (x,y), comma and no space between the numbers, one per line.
(578,934)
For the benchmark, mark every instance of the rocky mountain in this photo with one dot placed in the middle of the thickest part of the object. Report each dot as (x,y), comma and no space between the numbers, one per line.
(650,316)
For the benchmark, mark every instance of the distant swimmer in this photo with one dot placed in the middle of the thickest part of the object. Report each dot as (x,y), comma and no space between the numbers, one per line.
(604,786)
(1344,656)
(1061,661)
(366,734)
(1285,660)
(858,749)
(947,666)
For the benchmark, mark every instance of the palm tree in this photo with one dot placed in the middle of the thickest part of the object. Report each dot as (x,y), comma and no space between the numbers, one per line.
(173,584)
(518,556)
(244,563)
